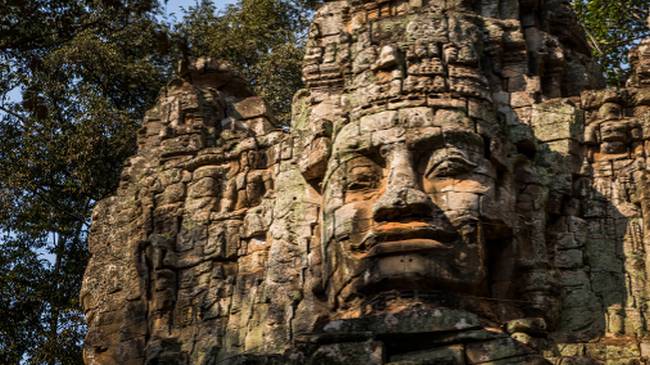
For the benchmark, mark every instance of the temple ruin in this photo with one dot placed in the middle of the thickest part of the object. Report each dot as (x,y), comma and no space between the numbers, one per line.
(457,186)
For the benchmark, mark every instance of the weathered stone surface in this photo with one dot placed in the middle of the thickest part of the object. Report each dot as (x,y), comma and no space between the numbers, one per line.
(455,188)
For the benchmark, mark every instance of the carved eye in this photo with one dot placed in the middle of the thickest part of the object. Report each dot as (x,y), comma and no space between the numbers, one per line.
(448,166)
(361,177)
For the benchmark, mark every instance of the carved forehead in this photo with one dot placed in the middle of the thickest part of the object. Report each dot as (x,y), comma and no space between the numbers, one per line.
(411,126)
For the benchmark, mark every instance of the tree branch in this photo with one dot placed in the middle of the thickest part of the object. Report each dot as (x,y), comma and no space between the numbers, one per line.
(22,119)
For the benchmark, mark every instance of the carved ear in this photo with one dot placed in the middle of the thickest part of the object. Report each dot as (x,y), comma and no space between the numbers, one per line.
(312,128)
(315,147)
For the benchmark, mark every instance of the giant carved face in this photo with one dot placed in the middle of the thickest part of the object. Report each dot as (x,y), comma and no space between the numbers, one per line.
(410,200)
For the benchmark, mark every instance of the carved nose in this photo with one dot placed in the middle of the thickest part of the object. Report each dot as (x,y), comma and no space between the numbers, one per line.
(402,199)
(402,204)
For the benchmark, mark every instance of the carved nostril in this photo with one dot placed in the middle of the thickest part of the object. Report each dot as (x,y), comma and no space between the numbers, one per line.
(403,204)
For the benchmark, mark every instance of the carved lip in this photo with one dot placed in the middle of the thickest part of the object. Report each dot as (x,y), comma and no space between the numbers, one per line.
(389,238)
(406,246)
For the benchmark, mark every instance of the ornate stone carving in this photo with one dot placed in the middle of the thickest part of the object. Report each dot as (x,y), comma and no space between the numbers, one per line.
(456,187)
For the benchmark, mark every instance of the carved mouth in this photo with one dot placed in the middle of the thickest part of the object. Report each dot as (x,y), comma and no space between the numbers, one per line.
(406,246)
(390,238)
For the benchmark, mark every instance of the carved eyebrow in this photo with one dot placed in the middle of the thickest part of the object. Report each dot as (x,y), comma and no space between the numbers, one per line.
(360,149)
(464,140)
(342,144)
(367,145)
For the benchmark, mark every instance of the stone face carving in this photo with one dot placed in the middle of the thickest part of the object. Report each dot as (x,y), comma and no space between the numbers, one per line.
(456,187)
(405,201)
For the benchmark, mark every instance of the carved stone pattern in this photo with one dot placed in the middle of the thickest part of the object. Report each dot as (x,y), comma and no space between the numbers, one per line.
(457,187)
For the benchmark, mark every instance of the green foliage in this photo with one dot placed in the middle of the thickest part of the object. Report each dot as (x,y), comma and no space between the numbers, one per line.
(75,79)
(263,38)
(612,28)
(85,72)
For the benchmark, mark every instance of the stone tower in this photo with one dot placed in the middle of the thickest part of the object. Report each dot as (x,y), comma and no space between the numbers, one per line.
(456,187)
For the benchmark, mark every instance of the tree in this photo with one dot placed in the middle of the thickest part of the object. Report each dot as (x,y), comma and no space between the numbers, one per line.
(613,27)
(85,72)
(264,39)
(75,79)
